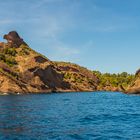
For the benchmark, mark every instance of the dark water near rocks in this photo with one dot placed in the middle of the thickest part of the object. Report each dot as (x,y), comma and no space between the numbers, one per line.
(70,116)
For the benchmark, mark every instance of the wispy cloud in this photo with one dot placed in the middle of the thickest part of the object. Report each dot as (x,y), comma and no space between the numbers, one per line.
(6,21)
(39,4)
(65,29)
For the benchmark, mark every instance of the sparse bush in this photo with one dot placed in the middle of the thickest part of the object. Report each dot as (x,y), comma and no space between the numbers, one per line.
(10,51)
(9,60)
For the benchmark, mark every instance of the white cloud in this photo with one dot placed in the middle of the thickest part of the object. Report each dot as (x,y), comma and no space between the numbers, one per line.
(62,49)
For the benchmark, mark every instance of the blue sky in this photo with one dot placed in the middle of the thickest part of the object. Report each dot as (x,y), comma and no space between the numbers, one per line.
(97,34)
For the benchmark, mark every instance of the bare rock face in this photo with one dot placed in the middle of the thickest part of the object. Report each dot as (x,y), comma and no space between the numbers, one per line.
(26,71)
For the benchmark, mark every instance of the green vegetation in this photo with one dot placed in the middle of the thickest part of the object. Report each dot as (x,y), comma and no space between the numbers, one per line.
(7,55)
(8,60)
(75,78)
(10,51)
(25,50)
(114,80)
(67,76)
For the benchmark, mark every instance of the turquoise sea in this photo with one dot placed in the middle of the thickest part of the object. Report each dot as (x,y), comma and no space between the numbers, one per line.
(70,116)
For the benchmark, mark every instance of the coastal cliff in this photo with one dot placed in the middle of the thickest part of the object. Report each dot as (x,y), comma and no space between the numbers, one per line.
(23,70)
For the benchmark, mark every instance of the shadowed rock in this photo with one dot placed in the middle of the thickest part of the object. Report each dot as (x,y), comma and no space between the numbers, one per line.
(40,59)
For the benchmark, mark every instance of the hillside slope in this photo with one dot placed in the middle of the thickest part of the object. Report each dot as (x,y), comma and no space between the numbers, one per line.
(22,70)
(80,78)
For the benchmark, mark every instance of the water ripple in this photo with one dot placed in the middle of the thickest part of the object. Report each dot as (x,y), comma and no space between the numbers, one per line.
(70,116)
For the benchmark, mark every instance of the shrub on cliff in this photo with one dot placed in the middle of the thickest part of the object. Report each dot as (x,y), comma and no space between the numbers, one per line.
(10,51)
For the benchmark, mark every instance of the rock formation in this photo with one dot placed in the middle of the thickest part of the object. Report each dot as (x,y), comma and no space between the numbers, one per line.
(134,87)
(13,39)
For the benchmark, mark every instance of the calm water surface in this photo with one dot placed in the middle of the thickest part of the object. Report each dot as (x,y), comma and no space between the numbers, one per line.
(70,116)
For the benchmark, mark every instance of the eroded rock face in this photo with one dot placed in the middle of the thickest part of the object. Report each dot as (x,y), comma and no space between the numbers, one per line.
(50,77)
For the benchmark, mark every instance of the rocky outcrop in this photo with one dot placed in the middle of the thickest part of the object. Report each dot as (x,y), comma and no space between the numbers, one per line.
(13,39)
(134,87)
(137,72)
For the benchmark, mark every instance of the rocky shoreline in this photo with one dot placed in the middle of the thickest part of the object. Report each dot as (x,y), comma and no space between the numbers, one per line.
(24,71)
